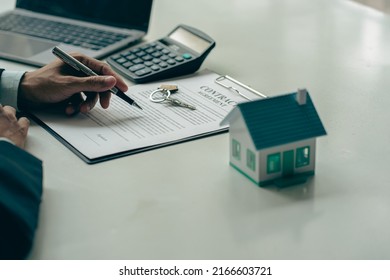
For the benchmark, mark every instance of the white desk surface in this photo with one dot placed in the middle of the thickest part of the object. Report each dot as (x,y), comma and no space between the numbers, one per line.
(186,202)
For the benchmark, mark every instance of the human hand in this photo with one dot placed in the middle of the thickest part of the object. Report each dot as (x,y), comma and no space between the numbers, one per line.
(58,84)
(12,128)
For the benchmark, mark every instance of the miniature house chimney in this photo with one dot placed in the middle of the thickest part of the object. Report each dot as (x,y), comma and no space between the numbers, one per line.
(301,96)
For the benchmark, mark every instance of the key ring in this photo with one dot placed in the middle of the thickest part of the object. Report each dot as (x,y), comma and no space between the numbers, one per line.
(165,95)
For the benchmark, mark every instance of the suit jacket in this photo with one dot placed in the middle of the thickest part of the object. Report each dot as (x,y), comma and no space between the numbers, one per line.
(20,197)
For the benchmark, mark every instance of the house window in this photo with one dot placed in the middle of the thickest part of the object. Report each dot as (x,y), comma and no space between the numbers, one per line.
(273,163)
(302,157)
(250,160)
(236,146)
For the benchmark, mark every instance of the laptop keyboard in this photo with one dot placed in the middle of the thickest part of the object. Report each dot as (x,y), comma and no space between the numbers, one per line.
(85,37)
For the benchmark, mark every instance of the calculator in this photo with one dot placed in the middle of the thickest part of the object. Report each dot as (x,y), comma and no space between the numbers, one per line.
(181,52)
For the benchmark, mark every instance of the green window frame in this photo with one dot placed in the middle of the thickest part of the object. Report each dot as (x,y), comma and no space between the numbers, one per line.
(274,163)
(236,149)
(302,157)
(251,160)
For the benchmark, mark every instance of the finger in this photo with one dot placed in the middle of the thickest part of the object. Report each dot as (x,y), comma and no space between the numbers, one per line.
(9,109)
(107,71)
(24,124)
(89,103)
(10,112)
(91,84)
(74,103)
(105,99)
(102,68)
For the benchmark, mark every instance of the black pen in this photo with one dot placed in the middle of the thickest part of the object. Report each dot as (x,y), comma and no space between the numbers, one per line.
(74,63)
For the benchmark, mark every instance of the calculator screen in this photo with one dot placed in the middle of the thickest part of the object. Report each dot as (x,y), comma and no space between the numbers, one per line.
(190,40)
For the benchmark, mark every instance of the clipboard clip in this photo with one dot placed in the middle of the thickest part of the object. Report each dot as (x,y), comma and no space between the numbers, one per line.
(220,80)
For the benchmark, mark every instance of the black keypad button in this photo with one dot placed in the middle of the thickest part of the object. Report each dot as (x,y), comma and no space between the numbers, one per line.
(138,61)
(143,72)
(149,59)
(127,64)
(163,64)
(131,57)
(121,60)
(140,54)
(136,67)
(157,54)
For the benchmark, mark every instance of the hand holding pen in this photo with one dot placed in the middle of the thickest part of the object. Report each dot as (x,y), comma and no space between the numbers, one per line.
(58,87)
(79,66)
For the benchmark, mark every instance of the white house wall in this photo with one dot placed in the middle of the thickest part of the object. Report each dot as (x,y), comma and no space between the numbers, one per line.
(239,131)
(280,149)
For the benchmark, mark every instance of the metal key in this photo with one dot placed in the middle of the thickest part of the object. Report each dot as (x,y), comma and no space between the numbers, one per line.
(177,102)
(163,93)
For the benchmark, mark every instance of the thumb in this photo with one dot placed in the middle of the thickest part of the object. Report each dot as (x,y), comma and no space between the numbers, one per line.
(96,83)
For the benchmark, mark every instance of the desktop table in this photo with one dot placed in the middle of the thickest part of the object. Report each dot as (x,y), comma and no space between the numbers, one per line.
(185,201)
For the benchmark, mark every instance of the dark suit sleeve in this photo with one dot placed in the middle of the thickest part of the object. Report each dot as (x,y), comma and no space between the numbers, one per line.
(20,197)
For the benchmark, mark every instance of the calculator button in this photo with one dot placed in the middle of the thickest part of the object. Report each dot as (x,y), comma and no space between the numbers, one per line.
(171,61)
(157,54)
(127,64)
(126,53)
(164,57)
(137,61)
(172,55)
(148,63)
(131,57)
(150,50)
(143,72)
(139,54)
(165,51)
(156,60)
(179,59)
(121,60)
(136,67)
(147,57)
(115,57)
(155,68)
(163,64)
(187,56)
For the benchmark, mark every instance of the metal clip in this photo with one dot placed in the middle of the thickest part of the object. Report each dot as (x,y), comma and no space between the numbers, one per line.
(226,77)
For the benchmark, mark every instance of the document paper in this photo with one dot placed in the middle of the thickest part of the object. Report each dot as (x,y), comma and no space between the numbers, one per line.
(121,129)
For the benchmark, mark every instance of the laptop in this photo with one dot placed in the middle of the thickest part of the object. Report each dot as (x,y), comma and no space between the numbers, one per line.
(93,27)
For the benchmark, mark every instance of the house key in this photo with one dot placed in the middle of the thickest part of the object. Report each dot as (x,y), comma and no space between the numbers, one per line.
(163,93)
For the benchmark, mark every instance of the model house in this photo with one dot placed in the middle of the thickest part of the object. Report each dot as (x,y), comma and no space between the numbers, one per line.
(273,140)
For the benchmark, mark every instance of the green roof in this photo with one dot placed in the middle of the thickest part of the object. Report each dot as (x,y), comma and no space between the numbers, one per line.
(280,120)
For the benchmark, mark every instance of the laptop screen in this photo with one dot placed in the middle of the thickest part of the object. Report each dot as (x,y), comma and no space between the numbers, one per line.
(131,14)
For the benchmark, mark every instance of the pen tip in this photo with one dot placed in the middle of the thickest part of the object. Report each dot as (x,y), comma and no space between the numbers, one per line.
(136,105)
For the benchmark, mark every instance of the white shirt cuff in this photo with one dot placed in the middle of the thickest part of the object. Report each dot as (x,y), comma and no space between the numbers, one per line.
(6,140)
(9,86)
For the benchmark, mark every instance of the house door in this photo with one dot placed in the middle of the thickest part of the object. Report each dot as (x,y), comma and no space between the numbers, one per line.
(288,163)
